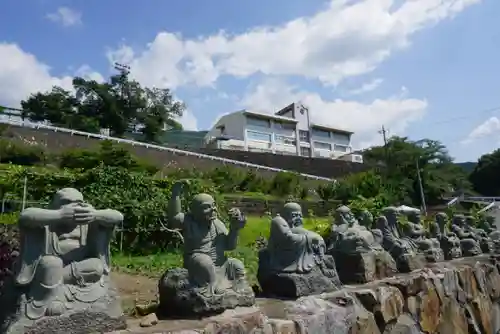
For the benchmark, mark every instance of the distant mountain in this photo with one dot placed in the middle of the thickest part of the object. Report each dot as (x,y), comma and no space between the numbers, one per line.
(468,166)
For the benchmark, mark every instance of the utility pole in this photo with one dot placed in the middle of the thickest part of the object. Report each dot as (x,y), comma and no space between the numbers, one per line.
(383,131)
(421,188)
(124,72)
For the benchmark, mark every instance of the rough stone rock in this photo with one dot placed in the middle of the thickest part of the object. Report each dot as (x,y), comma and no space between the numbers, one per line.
(179,298)
(293,285)
(455,297)
(103,315)
(341,313)
(361,268)
(409,262)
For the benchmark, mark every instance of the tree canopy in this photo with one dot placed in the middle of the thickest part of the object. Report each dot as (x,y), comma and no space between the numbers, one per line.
(485,177)
(121,105)
(438,173)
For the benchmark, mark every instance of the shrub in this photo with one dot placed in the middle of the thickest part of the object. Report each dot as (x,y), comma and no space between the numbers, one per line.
(25,155)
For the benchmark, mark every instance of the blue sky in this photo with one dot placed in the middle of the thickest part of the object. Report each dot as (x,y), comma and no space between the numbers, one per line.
(425,68)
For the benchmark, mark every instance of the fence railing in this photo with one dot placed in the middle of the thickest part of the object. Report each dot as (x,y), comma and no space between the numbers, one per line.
(158,147)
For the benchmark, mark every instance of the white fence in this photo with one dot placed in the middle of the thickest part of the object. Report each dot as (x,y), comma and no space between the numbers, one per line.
(158,147)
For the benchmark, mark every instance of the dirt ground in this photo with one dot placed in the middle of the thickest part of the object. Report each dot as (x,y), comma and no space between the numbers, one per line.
(135,289)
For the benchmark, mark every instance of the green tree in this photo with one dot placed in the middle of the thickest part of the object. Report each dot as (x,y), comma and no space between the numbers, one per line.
(485,177)
(438,173)
(120,105)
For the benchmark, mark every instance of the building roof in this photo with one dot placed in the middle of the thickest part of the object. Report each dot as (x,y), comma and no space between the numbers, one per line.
(329,128)
(269,116)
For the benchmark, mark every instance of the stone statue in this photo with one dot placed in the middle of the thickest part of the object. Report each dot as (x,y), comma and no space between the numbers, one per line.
(357,251)
(414,230)
(480,235)
(62,275)
(401,248)
(366,219)
(449,242)
(468,243)
(294,263)
(210,281)
(488,224)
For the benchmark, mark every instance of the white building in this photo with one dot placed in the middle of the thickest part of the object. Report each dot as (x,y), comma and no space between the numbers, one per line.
(289,131)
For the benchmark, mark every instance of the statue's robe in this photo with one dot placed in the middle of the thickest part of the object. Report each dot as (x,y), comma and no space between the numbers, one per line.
(37,242)
(394,240)
(291,249)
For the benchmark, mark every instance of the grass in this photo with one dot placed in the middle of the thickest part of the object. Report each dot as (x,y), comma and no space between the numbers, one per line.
(155,265)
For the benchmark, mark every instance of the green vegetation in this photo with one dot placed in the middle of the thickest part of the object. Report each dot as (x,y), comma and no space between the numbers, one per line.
(110,176)
(121,105)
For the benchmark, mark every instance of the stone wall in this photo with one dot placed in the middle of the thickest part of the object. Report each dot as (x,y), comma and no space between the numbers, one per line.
(456,297)
(59,141)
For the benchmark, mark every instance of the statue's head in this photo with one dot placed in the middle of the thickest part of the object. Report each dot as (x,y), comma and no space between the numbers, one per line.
(366,218)
(66,196)
(441,218)
(344,215)
(470,220)
(203,208)
(391,213)
(415,217)
(458,220)
(292,213)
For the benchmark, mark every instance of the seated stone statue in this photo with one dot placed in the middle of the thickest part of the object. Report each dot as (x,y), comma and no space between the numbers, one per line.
(468,243)
(294,263)
(210,282)
(414,230)
(449,242)
(357,251)
(366,219)
(488,224)
(62,277)
(480,235)
(402,248)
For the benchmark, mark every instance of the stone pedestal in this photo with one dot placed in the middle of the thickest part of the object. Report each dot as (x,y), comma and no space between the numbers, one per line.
(294,285)
(103,315)
(179,298)
(408,262)
(359,268)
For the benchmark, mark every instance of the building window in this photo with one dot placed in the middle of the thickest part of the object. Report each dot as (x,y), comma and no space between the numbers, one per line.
(259,122)
(342,138)
(321,133)
(322,146)
(280,139)
(305,151)
(284,125)
(304,136)
(341,148)
(258,136)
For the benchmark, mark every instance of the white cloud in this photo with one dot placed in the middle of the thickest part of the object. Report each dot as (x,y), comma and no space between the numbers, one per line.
(66,16)
(487,128)
(21,74)
(367,87)
(395,113)
(344,40)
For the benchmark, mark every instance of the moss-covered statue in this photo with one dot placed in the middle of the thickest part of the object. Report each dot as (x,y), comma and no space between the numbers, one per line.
(210,281)
(402,248)
(294,262)
(448,240)
(62,278)
(469,241)
(356,249)
(415,231)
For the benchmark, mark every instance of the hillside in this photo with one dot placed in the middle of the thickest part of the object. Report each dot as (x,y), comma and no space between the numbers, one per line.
(468,166)
(57,141)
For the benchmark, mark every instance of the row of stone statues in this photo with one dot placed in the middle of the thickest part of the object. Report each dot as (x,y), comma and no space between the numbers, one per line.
(62,274)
